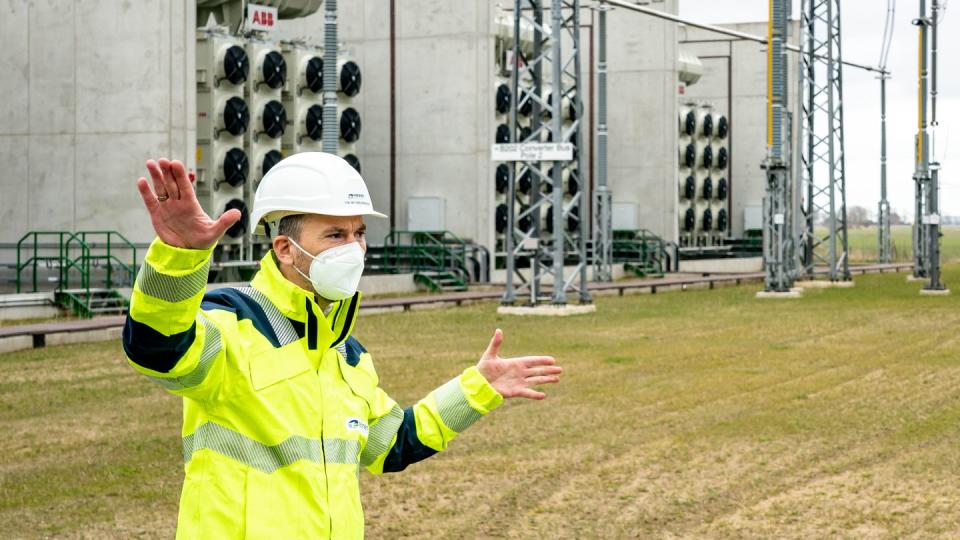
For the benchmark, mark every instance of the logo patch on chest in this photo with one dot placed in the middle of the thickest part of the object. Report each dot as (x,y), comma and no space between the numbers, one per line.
(355,424)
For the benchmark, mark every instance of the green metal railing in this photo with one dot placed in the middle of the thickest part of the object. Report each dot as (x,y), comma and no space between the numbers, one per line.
(75,256)
(424,251)
(642,252)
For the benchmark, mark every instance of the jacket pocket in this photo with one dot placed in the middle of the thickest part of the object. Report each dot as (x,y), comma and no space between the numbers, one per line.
(268,368)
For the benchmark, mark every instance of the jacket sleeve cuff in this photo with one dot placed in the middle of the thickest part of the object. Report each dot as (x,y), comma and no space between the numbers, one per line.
(482,397)
(173,260)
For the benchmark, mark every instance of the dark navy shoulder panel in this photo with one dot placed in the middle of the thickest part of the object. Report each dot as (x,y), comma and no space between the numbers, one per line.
(153,350)
(408,449)
(354,350)
(245,308)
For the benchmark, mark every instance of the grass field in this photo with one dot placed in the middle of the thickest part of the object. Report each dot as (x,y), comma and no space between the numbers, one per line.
(695,414)
(862,242)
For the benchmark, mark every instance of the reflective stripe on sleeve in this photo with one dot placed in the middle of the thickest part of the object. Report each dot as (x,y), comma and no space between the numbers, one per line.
(266,458)
(381,435)
(453,407)
(169,288)
(211,346)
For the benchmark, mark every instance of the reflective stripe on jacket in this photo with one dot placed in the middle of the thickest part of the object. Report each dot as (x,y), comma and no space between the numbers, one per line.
(281,406)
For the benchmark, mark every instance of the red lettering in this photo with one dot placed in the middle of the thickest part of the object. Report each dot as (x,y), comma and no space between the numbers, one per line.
(270,19)
(256,17)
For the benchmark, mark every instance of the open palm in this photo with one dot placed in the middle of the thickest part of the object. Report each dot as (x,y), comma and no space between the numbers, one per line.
(175,211)
(516,377)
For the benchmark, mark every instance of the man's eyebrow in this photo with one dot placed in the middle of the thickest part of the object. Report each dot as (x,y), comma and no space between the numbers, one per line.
(329,230)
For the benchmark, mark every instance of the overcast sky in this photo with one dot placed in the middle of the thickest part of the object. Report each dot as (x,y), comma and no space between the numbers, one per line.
(861,40)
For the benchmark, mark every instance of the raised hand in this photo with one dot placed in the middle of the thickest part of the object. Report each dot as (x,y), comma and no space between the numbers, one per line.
(516,377)
(175,211)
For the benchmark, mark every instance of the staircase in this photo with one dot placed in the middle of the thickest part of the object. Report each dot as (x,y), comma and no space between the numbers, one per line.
(440,282)
(87,303)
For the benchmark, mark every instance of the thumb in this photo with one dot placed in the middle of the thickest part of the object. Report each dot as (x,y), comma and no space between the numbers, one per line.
(226,221)
(493,349)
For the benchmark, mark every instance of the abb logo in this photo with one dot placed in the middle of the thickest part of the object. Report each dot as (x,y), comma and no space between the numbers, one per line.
(262,18)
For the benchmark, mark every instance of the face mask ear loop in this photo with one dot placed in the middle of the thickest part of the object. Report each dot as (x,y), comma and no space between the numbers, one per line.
(292,241)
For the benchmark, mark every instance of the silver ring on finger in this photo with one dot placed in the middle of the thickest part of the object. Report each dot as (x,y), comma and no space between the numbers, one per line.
(163,197)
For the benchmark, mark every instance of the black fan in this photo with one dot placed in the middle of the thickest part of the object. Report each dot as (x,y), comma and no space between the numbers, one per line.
(706,220)
(689,220)
(707,157)
(314,74)
(722,127)
(689,187)
(722,158)
(235,166)
(525,223)
(526,107)
(525,182)
(707,125)
(722,189)
(270,159)
(314,122)
(503,134)
(690,155)
(353,160)
(722,220)
(236,117)
(502,178)
(274,70)
(350,125)
(503,99)
(525,132)
(573,219)
(501,218)
(548,220)
(240,227)
(690,123)
(235,65)
(573,183)
(274,119)
(707,188)
(350,78)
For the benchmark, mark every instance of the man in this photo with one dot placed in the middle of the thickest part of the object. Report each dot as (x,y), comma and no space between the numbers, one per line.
(281,405)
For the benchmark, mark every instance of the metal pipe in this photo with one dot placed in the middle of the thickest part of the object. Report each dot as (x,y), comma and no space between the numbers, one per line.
(933,186)
(721,30)
(393,116)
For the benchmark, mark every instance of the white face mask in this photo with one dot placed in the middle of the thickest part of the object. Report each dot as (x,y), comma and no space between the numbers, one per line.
(335,273)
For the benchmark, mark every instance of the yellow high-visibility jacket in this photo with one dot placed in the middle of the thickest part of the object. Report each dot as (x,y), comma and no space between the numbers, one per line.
(281,406)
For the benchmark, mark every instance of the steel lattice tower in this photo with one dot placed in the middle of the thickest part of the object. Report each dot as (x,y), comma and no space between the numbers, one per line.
(778,204)
(564,237)
(822,168)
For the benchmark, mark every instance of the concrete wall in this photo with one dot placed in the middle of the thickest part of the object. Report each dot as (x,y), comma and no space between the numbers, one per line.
(90,91)
(735,82)
(642,90)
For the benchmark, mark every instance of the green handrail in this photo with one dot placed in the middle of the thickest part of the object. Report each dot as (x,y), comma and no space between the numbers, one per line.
(111,240)
(65,263)
(424,250)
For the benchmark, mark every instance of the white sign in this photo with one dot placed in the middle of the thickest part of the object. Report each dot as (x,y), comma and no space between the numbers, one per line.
(778,219)
(931,219)
(262,18)
(532,152)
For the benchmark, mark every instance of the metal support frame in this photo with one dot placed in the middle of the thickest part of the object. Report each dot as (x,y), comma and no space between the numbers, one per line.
(547,252)
(821,142)
(603,198)
(331,126)
(927,175)
(884,243)
(778,235)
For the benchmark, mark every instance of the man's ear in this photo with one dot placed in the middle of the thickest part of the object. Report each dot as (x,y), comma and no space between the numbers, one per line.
(283,248)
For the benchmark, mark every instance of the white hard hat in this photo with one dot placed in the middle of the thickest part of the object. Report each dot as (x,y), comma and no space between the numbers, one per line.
(310,183)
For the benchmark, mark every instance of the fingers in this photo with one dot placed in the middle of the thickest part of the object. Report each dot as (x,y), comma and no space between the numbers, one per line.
(530,393)
(544,370)
(169,184)
(544,379)
(226,221)
(534,361)
(156,175)
(179,173)
(149,199)
(493,349)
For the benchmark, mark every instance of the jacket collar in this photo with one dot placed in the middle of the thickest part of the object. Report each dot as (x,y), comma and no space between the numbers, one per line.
(300,306)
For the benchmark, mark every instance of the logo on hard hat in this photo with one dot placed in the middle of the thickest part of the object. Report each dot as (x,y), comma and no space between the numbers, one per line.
(357,198)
